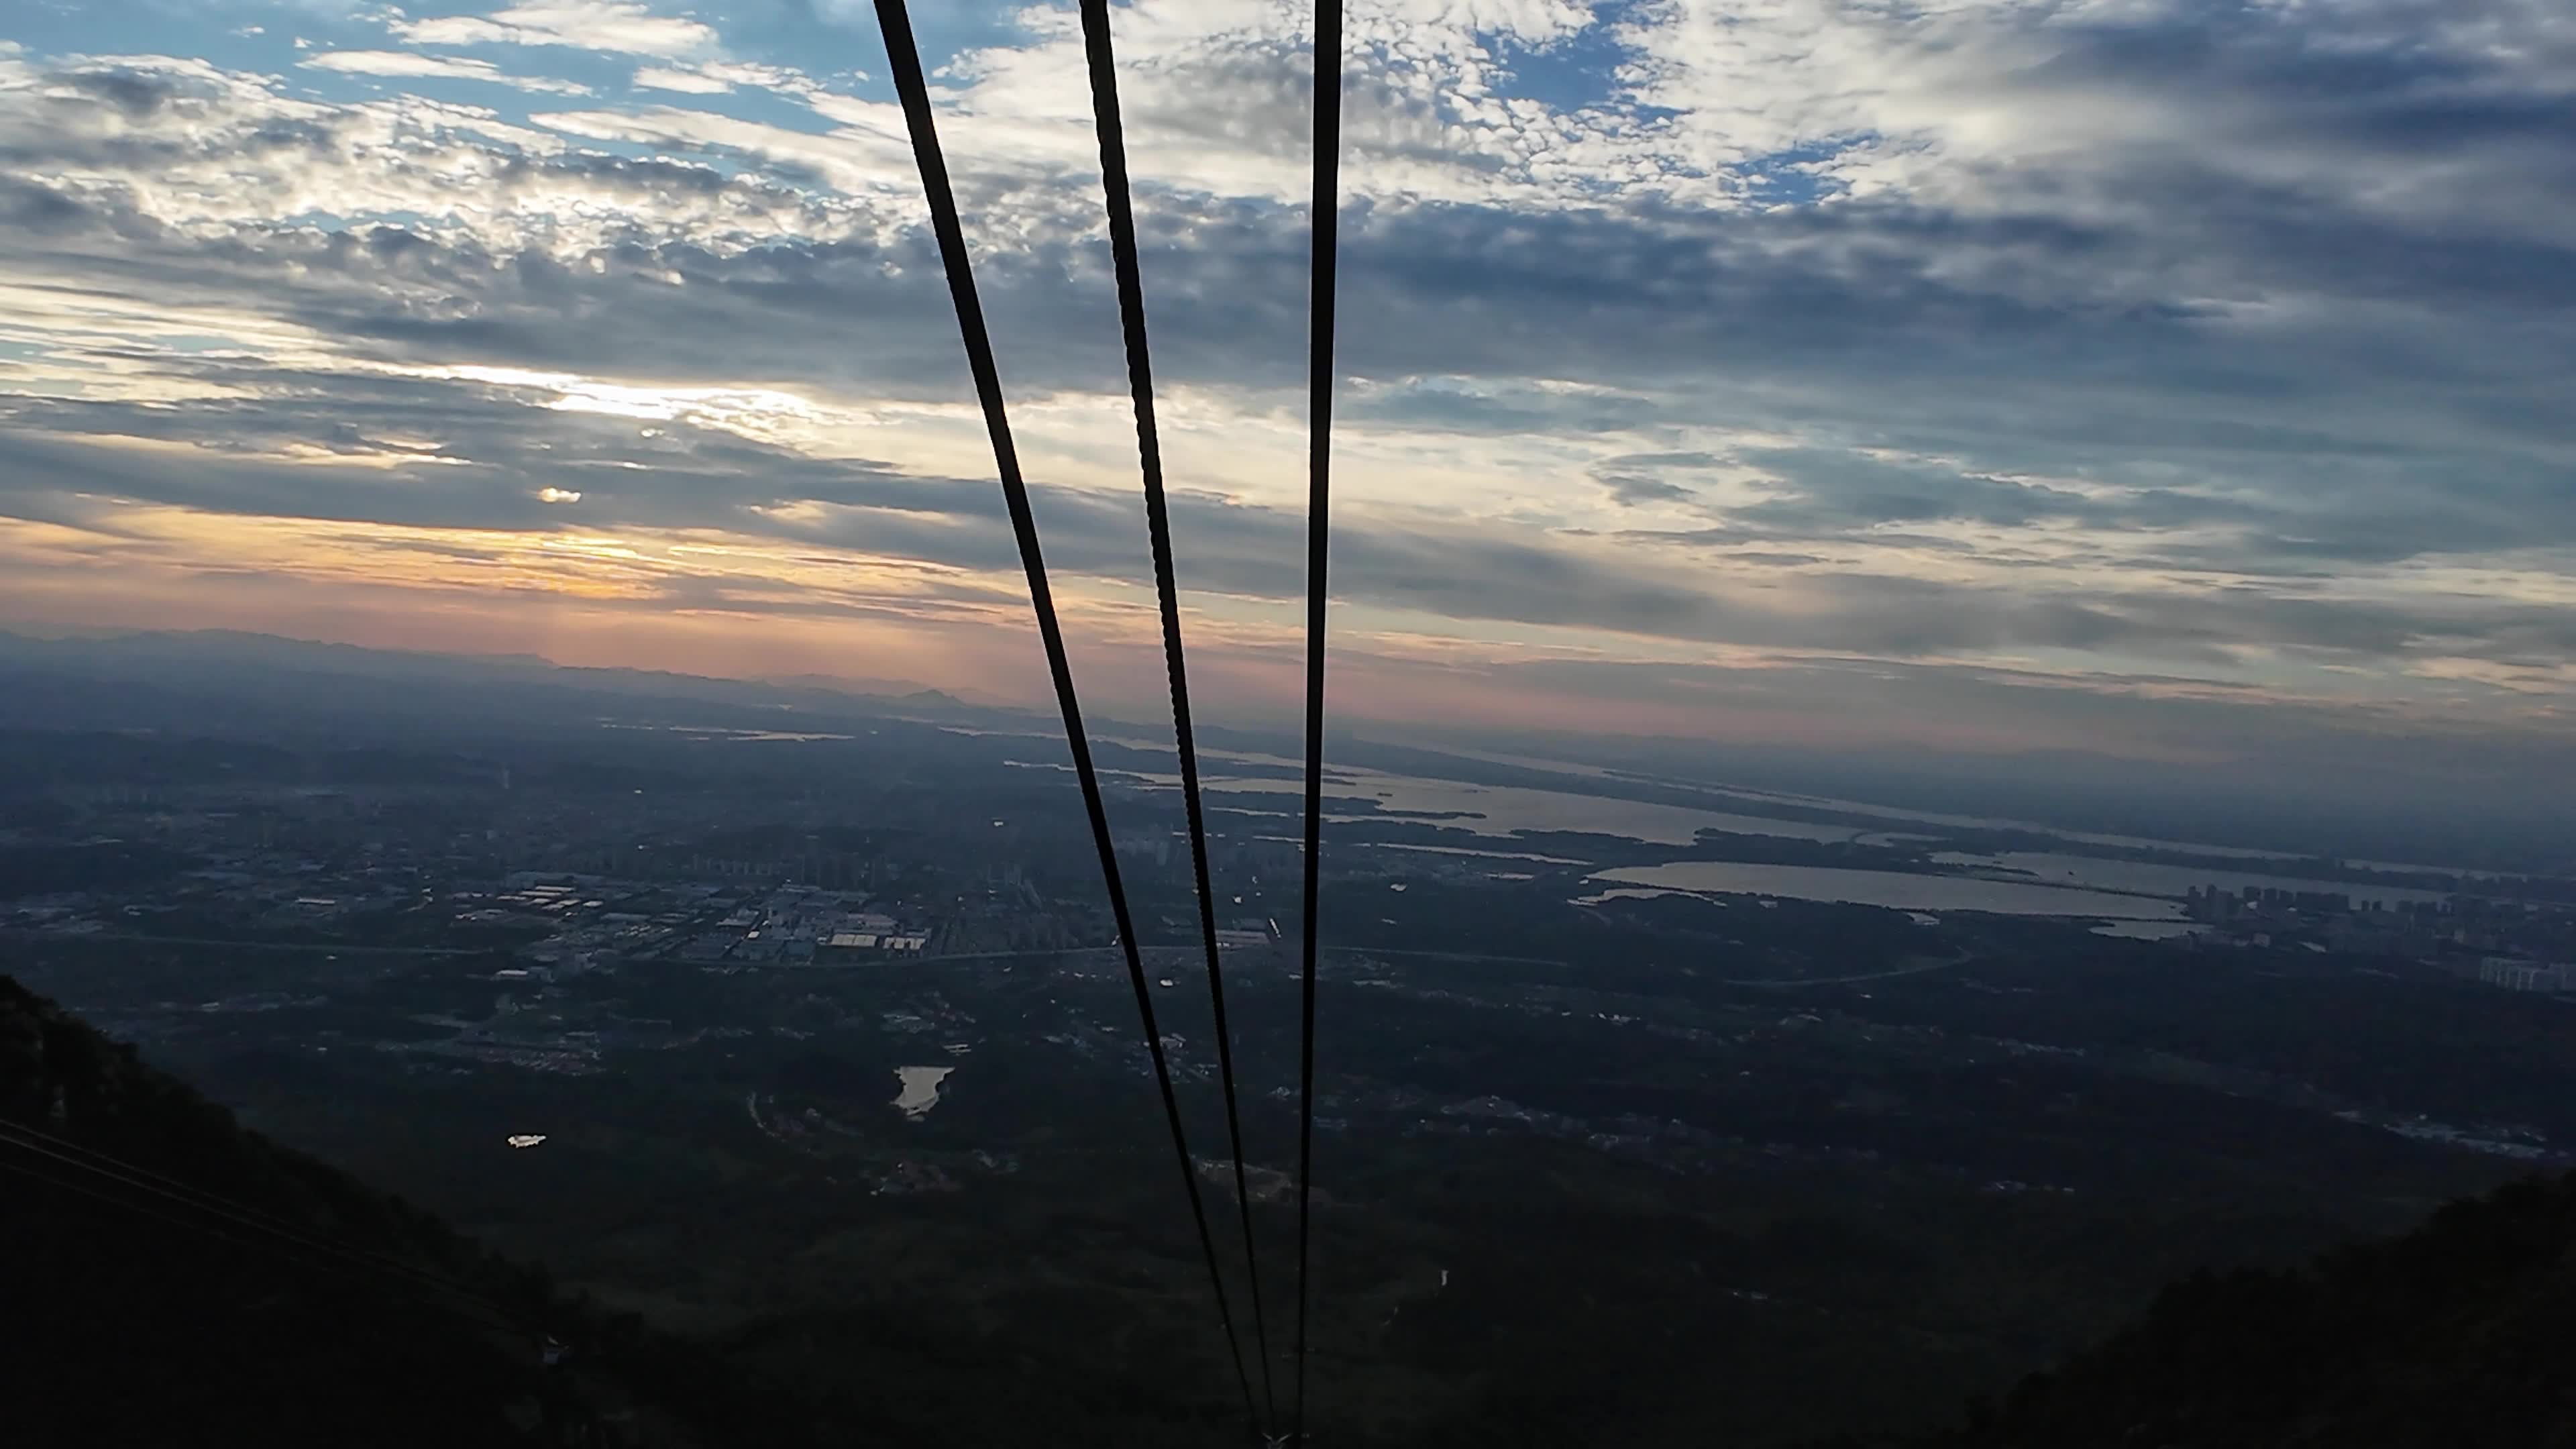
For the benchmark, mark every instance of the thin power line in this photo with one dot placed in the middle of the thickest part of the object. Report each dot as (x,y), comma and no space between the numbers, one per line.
(1325,244)
(284,1238)
(115,1169)
(92,1157)
(905,61)
(96,1194)
(1158,527)
(288,1244)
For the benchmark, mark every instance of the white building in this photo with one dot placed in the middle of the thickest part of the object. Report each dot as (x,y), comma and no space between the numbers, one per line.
(2516,975)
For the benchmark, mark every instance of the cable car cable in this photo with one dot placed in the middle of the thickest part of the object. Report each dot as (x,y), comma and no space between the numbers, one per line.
(1325,222)
(1158,527)
(904,60)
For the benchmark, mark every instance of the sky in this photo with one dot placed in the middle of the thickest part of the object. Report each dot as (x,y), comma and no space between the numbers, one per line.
(2166,383)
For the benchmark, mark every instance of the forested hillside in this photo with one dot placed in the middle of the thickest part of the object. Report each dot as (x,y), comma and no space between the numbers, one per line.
(173,1279)
(2461,1333)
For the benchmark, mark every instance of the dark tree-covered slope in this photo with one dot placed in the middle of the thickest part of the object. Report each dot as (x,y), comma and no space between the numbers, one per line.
(137,1317)
(144,1321)
(2461,1333)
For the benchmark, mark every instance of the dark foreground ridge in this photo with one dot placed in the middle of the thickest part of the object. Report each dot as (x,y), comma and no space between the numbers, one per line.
(2462,1333)
(140,1319)
(305,1308)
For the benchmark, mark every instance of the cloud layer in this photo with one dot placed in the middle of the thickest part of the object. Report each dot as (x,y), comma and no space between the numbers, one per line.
(2080,353)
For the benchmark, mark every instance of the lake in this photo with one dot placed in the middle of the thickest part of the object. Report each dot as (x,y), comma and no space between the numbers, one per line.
(2149,878)
(1503,810)
(2149,930)
(1895,890)
(920,1089)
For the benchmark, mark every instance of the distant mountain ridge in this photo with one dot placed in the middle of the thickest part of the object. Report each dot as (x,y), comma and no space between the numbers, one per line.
(195,646)
(219,679)
(217,682)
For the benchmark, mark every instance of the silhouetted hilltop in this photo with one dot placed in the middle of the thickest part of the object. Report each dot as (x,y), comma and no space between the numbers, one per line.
(171,1279)
(146,1319)
(2461,1333)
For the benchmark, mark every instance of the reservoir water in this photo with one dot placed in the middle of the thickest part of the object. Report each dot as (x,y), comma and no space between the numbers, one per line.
(920,1089)
(1892,889)
(2152,879)
(2050,883)
(1503,810)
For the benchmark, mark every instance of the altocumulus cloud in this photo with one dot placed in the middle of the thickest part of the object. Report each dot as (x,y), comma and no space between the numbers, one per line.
(2206,343)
